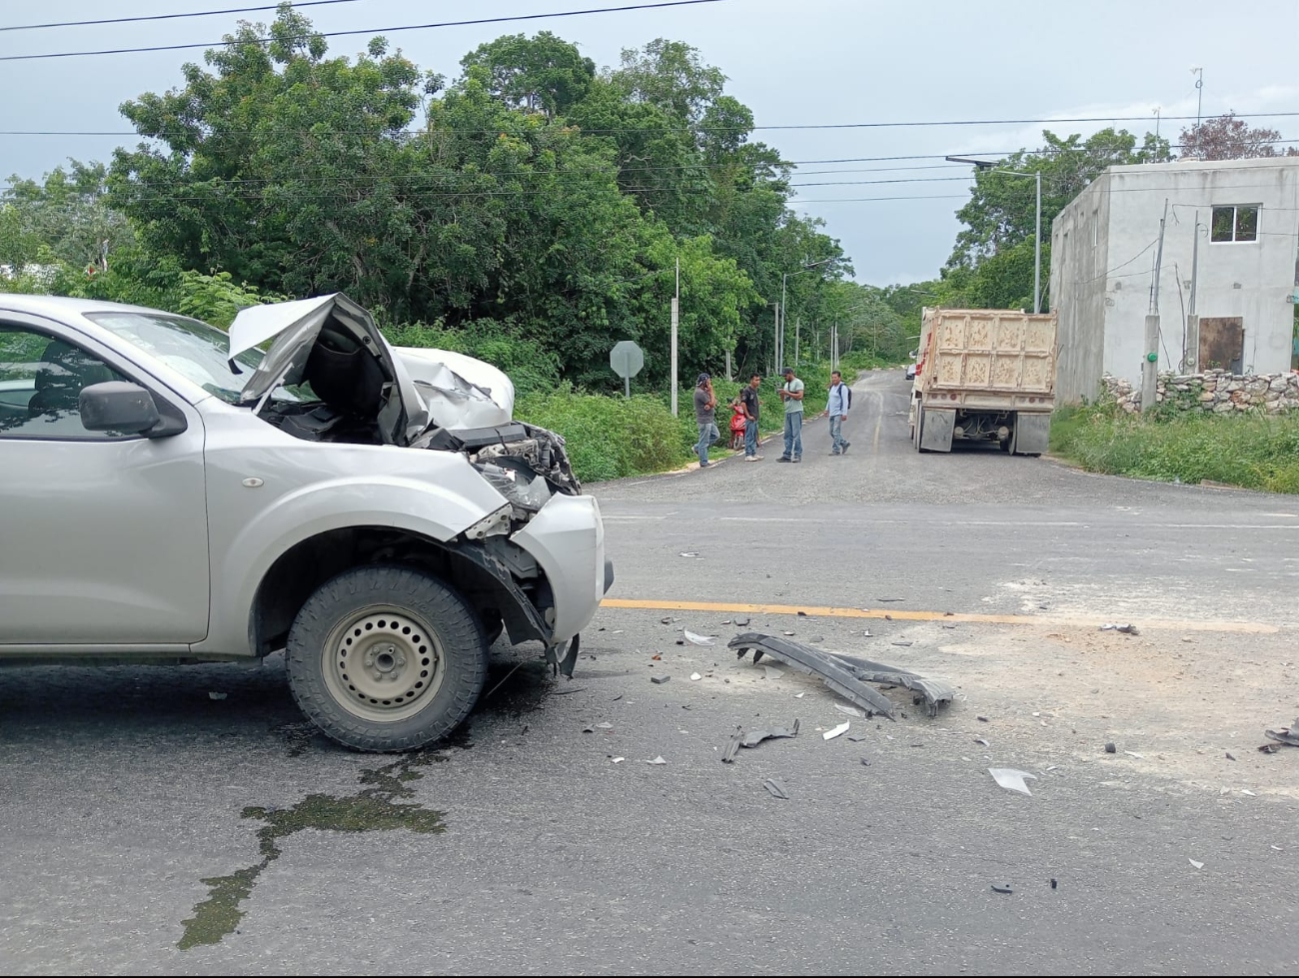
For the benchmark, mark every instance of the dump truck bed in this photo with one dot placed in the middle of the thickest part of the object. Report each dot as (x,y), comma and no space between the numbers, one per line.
(988,357)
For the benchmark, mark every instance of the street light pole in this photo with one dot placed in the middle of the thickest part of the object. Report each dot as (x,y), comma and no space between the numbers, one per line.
(1037,257)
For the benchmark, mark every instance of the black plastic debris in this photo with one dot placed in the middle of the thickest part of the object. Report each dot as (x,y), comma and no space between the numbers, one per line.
(904,645)
(1111,749)
(1054,883)
(752,738)
(742,624)
(1229,757)
(865,762)
(776,789)
(659,680)
(1002,889)
(847,675)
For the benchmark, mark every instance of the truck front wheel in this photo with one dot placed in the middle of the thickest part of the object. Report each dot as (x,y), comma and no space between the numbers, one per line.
(386,658)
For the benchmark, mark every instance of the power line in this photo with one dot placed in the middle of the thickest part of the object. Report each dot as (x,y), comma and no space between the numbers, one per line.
(855,200)
(852,183)
(372,31)
(197,13)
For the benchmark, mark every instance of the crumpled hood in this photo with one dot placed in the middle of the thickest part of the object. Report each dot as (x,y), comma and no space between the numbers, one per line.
(297,326)
(460,392)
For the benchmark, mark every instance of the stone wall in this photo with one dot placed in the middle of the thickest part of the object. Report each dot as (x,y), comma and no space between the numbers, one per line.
(1215,390)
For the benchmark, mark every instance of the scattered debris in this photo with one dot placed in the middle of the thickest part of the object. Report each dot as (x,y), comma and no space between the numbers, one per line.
(789,634)
(588,730)
(1125,629)
(888,617)
(1286,735)
(856,738)
(838,731)
(604,726)
(865,762)
(802,614)
(1268,748)
(1246,791)
(905,645)
(696,639)
(1197,865)
(617,760)
(689,553)
(753,738)
(888,600)
(1012,780)
(659,680)
(776,789)
(852,711)
(772,672)
(657,762)
(1111,749)
(980,740)
(847,675)
(217,696)
(695,677)
(1002,889)
(983,719)
(950,628)
(817,638)
(665,621)
(1054,883)
(1140,757)
(1229,757)
(733,746)
(742,624)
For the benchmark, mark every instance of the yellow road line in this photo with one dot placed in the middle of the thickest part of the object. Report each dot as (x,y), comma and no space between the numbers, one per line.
(1235,627)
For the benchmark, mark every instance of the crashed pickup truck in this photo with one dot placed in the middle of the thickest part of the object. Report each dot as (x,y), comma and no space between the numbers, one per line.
(171,493)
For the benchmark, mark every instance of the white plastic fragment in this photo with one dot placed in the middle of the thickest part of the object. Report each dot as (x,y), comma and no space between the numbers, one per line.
(657,762)
(852,711)
(217,696)
(696,639)
(1012,780)
(619,760)
(838,731)
(772,672)
(1197,865)
(1140,757)
(695,677)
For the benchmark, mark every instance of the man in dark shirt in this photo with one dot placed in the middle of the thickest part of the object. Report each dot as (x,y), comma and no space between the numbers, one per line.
(706,416)
(749,399)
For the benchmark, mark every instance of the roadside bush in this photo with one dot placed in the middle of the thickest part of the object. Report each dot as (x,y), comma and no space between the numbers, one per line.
(612,437)
(1252,451)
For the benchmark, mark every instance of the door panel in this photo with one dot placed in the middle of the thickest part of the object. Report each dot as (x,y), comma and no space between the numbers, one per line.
(1222,343)
(103,536)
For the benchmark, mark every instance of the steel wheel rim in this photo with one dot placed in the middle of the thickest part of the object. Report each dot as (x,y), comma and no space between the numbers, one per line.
(383,664)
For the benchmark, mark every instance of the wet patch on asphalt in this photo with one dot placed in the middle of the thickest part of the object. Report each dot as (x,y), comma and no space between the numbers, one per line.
(381,806)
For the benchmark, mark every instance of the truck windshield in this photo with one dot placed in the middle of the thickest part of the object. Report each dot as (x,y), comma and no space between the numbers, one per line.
(193,349)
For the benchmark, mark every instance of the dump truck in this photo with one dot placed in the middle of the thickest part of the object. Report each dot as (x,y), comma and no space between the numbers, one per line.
(984,375)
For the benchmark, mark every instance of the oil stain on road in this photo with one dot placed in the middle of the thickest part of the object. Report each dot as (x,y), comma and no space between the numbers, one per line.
(381,806)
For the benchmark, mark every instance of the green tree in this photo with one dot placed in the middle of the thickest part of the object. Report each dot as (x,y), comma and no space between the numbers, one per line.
(538,74)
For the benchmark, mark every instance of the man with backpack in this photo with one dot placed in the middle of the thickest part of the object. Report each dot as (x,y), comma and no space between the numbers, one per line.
(836,408)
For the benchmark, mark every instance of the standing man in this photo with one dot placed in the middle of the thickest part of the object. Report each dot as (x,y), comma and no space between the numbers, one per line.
(706,416)
(792,394)
(749,399)
(836,407)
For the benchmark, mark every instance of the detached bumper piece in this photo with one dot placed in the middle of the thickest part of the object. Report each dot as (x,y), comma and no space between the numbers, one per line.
(846,675)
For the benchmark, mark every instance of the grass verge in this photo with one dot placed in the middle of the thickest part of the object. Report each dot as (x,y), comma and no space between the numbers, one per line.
(1249,450)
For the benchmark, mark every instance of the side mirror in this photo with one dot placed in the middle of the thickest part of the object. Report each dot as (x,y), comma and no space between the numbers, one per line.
(117,406)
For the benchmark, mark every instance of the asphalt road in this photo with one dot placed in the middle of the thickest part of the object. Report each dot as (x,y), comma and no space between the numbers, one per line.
(131,796)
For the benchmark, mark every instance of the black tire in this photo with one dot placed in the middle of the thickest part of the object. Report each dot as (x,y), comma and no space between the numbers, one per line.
(418,659)
(920,428)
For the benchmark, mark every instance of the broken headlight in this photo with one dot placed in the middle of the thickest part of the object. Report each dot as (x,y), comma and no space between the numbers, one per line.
(526,491)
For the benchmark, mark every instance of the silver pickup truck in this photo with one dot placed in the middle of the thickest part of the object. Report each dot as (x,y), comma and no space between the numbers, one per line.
(171,493)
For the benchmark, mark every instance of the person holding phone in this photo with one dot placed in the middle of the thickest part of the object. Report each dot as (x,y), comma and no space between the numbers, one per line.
(706,417)
(792,394)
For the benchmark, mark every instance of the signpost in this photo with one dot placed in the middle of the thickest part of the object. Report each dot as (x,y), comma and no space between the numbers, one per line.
(627,360)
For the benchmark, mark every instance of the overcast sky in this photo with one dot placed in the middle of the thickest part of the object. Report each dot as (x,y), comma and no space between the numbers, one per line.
(793,63)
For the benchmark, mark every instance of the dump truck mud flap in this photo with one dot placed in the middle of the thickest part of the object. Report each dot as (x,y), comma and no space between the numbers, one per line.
(936,429)
(1032,434)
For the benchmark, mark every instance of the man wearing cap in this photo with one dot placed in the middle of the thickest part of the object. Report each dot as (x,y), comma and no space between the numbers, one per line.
(706,416)
(792,394)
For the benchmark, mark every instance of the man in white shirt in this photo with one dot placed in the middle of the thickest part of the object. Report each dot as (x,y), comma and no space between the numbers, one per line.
(836,408)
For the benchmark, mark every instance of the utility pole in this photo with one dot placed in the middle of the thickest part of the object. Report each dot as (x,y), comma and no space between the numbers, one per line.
(676,319)
(798,327)
(1192,318)
(1037,253)
(776,352)
(1150,362)
(1158,118)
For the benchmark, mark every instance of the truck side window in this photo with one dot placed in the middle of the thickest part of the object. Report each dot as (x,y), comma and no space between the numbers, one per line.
(41,379)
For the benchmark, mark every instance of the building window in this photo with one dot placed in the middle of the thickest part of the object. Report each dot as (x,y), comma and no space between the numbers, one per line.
(1235,223)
